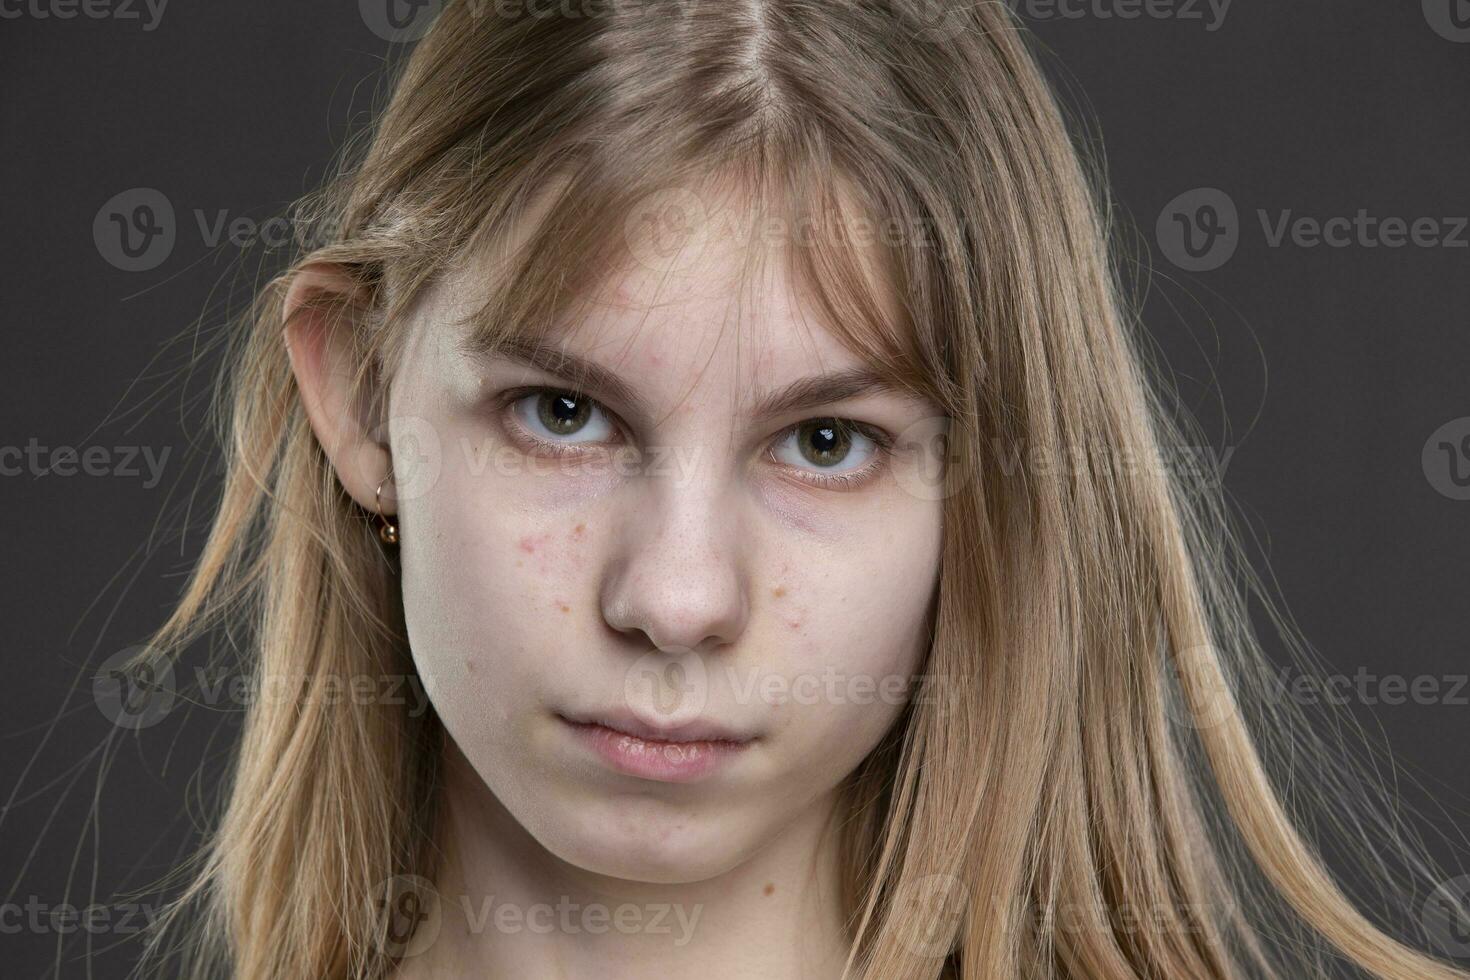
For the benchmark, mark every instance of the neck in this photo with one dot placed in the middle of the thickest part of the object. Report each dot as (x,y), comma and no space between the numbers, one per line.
(507,907)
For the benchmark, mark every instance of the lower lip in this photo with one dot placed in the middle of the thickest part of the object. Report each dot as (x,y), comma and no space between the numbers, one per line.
(669,762)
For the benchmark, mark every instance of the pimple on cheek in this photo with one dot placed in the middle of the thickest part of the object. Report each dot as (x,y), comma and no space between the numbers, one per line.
(531,543)
(779,592)
(554,551)
(547,551)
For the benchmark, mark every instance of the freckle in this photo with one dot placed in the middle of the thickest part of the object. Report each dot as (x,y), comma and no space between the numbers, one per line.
(519,563)
(469,665)
(577,531)
(778,591)
(564,607)
(769,888)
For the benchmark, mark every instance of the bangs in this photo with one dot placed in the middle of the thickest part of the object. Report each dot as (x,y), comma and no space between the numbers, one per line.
(549,249)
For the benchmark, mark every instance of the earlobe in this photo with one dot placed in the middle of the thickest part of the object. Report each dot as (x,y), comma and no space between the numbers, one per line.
(317,329)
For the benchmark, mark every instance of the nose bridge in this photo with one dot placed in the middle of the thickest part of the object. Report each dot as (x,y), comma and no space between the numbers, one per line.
(679,573)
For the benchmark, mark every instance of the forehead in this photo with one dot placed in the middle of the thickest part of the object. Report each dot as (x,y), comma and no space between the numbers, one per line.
(725,308)
(703,286)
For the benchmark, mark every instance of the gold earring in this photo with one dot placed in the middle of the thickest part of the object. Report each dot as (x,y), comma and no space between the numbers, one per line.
(387,531)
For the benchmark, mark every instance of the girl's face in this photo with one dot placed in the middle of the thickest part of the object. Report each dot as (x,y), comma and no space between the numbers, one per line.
(689,547)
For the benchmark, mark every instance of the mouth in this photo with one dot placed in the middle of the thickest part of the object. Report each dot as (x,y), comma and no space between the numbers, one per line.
(674,754)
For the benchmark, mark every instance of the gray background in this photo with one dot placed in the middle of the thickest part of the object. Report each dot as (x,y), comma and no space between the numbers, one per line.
(1323,371)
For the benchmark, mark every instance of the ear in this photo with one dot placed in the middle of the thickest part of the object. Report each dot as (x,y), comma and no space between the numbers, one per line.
(317,330)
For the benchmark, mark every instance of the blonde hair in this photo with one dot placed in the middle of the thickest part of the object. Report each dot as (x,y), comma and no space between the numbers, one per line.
(1096,747)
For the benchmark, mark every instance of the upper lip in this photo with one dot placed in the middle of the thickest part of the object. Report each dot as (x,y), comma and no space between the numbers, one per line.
(693,730)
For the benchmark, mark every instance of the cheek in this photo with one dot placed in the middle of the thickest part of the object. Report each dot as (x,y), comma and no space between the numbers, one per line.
(490,589)
(855,625)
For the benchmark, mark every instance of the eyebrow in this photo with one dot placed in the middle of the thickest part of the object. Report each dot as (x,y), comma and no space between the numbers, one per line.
(597,380)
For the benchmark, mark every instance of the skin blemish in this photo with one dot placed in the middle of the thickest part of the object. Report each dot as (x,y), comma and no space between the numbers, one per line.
(578,530)
(563,606)
(794,623)
(769,888)
(469,664)
(778,591)
(533,544)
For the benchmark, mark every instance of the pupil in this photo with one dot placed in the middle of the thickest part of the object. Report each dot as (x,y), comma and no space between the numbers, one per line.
(563,413)
(827,443)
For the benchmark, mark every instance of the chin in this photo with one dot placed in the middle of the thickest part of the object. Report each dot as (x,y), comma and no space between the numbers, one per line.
(637,838)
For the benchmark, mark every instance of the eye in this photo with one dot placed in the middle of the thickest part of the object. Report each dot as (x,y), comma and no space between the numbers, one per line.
(832,452)
(562,418)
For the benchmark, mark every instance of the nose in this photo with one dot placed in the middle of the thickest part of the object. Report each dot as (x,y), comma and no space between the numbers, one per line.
(677,575)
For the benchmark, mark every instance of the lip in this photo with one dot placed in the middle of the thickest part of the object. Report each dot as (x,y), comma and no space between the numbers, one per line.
(667,753)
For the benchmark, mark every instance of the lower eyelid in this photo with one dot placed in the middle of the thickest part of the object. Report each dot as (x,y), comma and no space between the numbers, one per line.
(843,479)
(836,483)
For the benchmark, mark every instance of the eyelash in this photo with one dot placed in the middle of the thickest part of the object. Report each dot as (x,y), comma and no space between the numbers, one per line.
(882,441)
